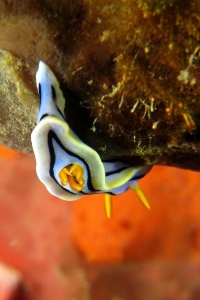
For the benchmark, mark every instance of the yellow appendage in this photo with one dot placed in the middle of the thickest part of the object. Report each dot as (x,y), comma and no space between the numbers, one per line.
(72,174)
(108,205)
(141,196)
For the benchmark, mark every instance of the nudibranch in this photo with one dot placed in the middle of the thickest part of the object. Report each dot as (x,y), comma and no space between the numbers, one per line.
(67,166)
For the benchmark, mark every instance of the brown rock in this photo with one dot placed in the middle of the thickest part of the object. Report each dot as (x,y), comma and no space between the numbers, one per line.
(134,68)
(18,105)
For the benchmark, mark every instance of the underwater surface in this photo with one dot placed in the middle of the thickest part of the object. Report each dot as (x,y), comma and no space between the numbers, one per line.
(70,250)
(129,71)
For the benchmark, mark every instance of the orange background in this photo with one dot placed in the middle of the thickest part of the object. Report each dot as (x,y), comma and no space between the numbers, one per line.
(70,250)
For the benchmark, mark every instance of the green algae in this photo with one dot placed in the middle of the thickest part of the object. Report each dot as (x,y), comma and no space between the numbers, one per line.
(155,6)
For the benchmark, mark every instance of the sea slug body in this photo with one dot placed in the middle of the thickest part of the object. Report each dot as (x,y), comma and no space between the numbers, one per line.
(67,166)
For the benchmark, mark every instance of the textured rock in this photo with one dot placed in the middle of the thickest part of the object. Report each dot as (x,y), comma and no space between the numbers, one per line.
(133,71)
(18,105)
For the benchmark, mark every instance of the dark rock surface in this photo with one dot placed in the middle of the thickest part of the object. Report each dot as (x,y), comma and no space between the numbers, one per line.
(130,74)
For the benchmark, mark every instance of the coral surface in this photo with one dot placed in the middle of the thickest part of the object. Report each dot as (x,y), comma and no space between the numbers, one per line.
(130,74)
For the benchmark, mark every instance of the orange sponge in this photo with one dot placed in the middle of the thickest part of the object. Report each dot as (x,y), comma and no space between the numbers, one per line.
(7,153)
(170,230)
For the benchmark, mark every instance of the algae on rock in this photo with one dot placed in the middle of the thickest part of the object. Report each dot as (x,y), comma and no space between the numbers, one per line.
(133,68)
(18,105)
